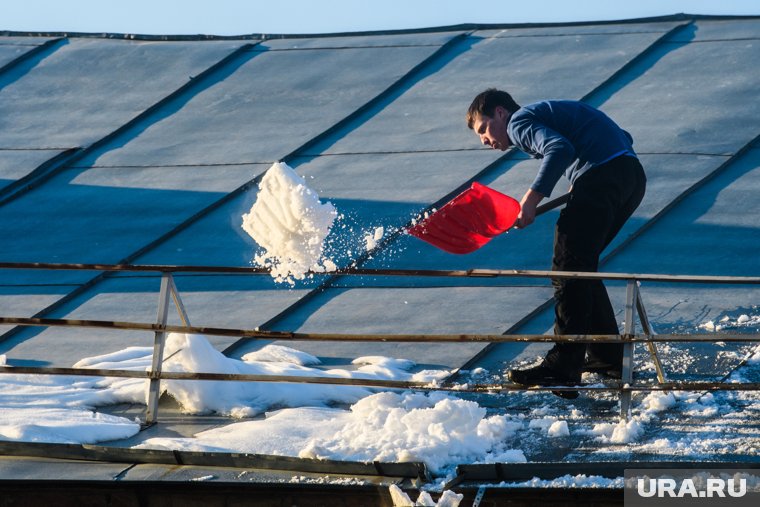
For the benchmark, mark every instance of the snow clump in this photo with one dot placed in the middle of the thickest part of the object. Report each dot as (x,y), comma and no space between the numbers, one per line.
(290,224)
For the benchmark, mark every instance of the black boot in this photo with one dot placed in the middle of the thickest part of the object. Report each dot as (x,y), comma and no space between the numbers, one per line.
(613,370)
(547,375)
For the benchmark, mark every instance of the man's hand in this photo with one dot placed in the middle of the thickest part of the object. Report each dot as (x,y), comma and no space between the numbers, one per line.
(528,208)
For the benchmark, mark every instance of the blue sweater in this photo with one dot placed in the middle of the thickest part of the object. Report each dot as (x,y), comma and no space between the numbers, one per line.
(571,137)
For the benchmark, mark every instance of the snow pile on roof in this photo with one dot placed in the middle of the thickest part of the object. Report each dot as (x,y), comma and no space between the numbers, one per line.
(290,224)
(63,425)
(279,354)
(58,409)
(437,429)
(194,353)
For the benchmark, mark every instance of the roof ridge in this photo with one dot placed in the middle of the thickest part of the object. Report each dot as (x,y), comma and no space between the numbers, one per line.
(435,29)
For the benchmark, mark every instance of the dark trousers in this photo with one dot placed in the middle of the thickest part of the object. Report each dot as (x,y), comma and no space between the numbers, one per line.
(600,202)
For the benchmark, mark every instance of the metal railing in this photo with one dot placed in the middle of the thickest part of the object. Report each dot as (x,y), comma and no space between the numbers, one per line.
(168,292)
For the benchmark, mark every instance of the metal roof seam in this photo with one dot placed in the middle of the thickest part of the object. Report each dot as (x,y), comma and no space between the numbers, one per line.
(40,52)
(607,87)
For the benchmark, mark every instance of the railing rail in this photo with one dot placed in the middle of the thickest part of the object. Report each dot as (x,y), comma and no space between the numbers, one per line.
(168,292)
(456,273)
(368,337)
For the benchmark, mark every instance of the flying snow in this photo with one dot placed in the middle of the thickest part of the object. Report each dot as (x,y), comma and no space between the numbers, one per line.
(290,224)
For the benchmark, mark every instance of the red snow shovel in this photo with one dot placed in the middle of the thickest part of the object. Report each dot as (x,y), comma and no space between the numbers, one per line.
(472,219)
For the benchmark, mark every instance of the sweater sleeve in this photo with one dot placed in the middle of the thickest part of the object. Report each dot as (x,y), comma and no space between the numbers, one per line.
(540,141)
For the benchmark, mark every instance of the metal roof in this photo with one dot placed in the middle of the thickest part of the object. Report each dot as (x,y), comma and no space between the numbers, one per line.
(147,149)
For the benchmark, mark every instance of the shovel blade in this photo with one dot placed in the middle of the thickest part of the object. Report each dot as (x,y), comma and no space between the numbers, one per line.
(469,220)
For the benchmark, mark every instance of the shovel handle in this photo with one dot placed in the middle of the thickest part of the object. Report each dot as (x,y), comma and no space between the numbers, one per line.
(554,203)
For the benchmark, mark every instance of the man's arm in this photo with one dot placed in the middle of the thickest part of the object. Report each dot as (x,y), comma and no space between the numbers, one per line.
(531,135)
(528,204)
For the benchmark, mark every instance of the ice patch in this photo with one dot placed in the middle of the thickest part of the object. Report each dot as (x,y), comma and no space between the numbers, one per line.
(290,224)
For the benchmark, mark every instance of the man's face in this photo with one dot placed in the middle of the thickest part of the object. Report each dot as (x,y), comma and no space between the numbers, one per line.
(492,131)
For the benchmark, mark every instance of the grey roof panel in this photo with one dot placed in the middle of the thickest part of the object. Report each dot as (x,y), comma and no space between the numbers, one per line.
(717,229)
(695,98)
(406,311)
(430,116)
(105,223)
(15,164)
(25,301)
(272,104)
(12,48)
(129,193)
(86,197)
(90,87)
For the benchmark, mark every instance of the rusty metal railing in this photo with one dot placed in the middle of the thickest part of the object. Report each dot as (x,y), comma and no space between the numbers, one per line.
(633,306)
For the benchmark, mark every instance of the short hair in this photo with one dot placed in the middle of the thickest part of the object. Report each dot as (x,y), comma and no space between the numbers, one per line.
(485,103)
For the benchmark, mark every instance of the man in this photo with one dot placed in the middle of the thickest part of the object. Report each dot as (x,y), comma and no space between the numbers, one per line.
(607,185)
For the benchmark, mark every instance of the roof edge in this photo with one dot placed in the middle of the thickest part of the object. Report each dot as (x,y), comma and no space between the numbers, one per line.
(447,28)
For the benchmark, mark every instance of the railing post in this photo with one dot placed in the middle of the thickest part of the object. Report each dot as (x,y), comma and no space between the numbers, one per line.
(154,389)
(178,302)
(649,331)
(629,329)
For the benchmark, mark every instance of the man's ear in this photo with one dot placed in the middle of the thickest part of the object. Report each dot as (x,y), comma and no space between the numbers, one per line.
(500,112)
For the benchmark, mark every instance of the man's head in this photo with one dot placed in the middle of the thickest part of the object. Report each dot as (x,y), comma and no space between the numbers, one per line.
(488,115)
